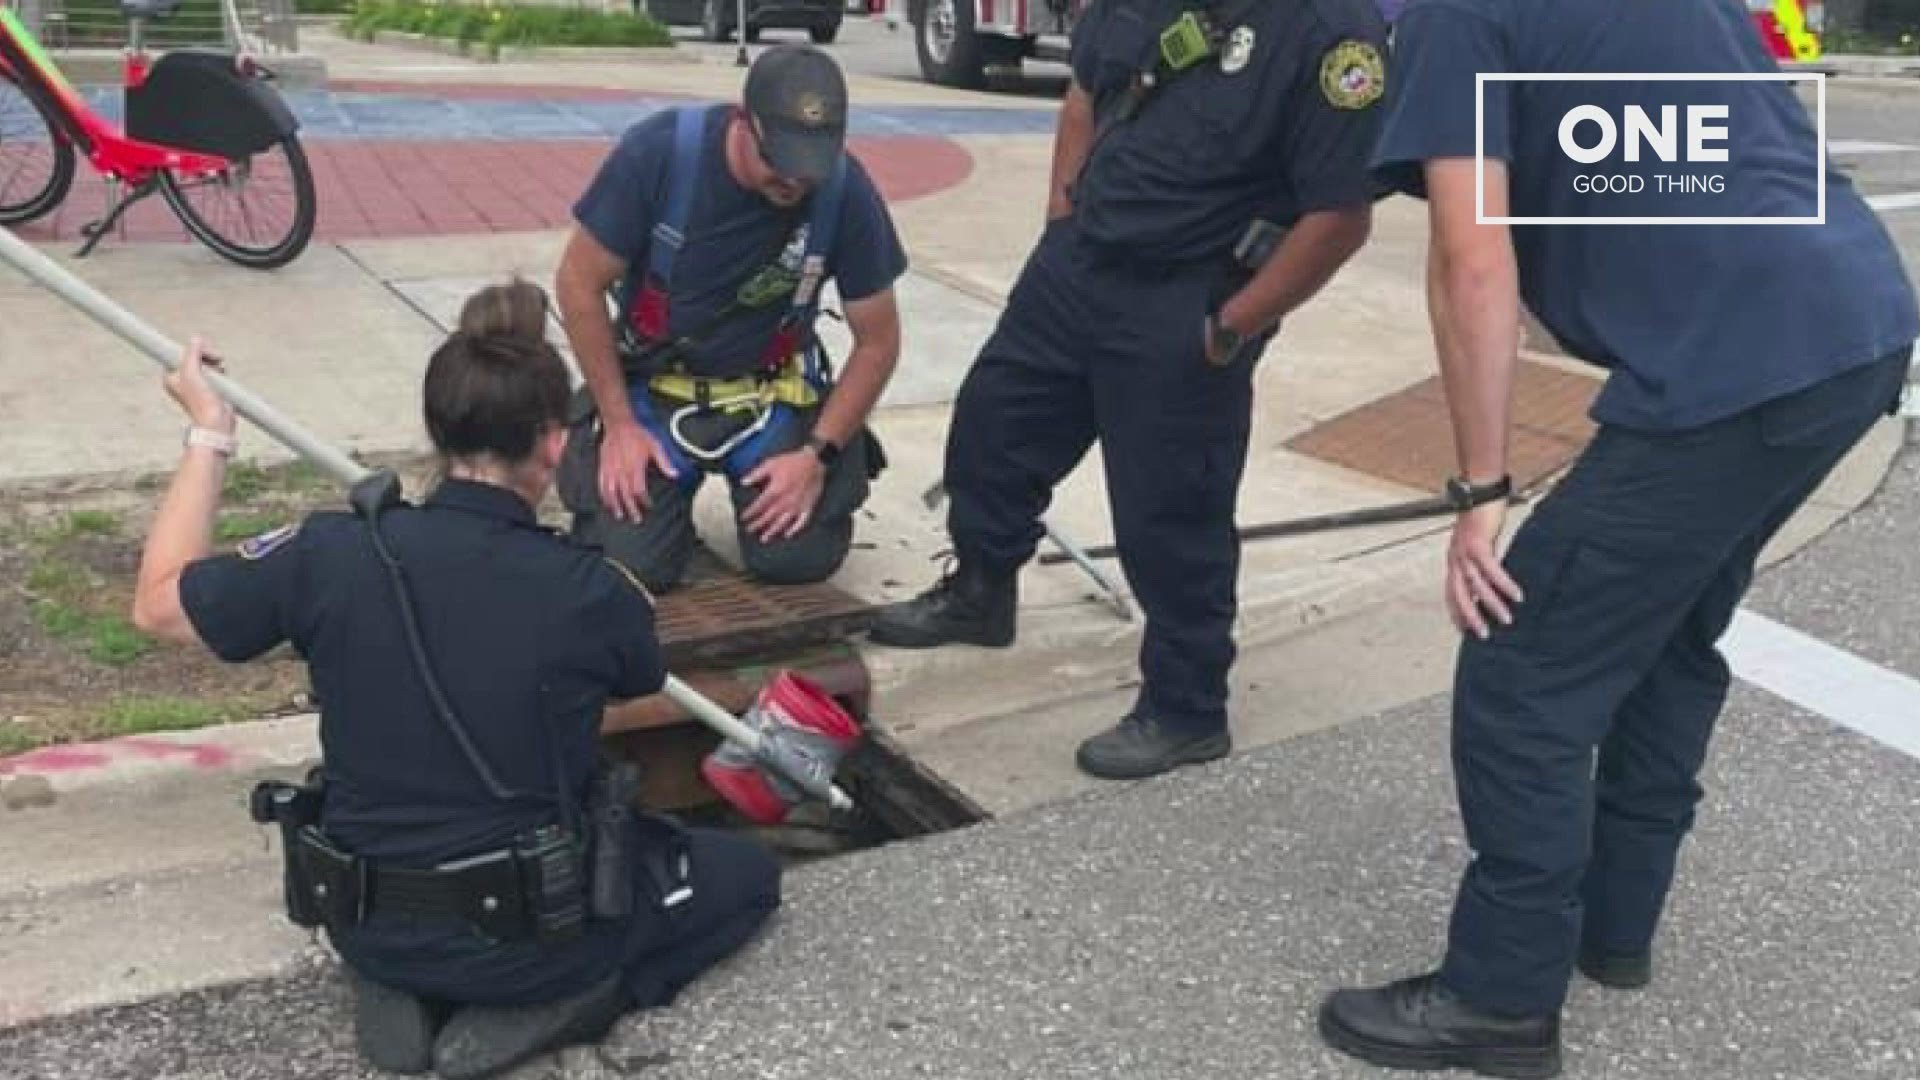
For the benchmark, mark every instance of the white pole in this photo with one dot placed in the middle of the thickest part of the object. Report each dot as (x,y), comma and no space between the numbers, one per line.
(58,280)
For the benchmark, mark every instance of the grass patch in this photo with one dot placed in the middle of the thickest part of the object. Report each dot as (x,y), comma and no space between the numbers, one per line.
(234,527)
(66,602)
(141,715)
(245,482)
(108,639)
(492,26)
(248,480)
(1889,41)
(56,580)
(15,738)
(90,523)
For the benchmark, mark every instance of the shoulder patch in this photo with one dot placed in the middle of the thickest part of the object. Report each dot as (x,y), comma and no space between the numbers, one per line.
(1353,75)
(259,547)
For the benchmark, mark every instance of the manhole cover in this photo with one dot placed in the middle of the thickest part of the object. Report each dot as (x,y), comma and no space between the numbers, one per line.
(1407,437)
(721,616)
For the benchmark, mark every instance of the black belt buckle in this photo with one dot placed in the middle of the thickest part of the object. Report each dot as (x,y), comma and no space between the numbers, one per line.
(1258,243)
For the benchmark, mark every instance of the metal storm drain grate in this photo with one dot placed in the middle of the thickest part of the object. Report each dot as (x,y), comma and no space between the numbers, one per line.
(1407,437)
(720,616)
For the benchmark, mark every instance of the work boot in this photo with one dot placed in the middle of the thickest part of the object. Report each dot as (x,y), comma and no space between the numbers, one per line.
(485,1040)
(394,1029)
(1617,971)
(1140,746)
(1419,1024)
(967,606)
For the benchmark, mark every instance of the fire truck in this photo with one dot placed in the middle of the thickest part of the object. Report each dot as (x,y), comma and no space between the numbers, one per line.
(959,40)
(1791,28)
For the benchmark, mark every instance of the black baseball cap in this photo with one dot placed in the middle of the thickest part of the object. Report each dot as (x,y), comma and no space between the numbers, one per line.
(798,100)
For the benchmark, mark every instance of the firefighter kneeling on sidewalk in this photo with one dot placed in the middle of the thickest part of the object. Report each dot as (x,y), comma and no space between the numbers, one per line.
(714,228)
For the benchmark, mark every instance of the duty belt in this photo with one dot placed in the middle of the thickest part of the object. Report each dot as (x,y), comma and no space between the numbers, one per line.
(531,889)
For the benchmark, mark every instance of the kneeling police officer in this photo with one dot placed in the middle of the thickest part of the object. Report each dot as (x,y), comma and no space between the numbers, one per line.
(491,894)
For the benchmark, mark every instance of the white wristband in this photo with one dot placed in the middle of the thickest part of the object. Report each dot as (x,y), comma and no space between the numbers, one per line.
(217,441)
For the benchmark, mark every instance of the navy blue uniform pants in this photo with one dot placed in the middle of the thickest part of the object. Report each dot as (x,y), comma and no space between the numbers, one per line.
(1579,731)
(736,887)
(1086,351)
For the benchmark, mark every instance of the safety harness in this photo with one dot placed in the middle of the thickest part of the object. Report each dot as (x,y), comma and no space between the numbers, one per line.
(792,372)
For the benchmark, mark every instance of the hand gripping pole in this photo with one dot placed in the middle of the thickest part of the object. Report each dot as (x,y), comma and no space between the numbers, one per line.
(62,283)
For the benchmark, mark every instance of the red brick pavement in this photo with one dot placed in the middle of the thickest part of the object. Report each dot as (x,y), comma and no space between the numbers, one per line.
(400,188)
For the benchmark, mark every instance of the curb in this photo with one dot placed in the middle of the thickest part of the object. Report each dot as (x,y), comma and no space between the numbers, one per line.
(42,777)
(1858,66)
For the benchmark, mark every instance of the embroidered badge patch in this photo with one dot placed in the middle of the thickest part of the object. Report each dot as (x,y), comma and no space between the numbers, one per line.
(259,547)
(1352,75)
(1238,51)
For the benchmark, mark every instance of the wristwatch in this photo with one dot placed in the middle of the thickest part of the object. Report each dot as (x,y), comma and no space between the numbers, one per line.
(824,449)
(1223,342)
(1462,495)
(217,441)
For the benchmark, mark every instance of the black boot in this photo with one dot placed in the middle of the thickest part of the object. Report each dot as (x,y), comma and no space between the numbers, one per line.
(394,1029)
(1617,971)
(1140,746)
(485,1040)
(1418,1024)
(967,606)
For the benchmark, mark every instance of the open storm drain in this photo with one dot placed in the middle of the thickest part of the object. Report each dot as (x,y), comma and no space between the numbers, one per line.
(727,637)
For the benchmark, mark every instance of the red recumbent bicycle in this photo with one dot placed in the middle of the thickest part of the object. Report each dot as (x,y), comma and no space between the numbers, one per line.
(204,128)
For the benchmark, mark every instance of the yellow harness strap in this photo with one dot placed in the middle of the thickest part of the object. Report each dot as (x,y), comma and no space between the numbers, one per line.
(748,393)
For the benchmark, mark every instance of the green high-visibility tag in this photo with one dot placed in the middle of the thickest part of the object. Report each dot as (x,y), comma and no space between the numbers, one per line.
(1184,43)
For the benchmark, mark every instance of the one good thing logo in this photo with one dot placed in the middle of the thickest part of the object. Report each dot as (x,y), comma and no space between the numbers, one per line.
(1706,136)
(1661,152)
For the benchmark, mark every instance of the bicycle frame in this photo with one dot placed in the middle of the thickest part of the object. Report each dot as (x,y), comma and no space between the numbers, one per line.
(109,150)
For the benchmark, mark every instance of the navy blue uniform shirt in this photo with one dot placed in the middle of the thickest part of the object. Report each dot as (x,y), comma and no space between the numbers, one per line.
(731,233)
(528,635)
(1279,124)
(1696,322)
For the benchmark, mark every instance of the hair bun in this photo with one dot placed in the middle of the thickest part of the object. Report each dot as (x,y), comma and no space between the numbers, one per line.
(517,309)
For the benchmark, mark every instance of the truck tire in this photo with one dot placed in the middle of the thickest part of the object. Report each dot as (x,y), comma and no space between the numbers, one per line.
(824,33)
(716,21)
(951,54)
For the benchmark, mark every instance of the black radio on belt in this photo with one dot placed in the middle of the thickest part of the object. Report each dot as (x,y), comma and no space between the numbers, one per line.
(552,883)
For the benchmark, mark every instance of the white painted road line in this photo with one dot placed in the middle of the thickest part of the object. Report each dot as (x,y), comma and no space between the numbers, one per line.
(1862,146)
(1903,200)
(1836,684)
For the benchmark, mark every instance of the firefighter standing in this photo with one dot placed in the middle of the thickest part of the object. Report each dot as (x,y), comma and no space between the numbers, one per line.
(1133,323)
(1746,360)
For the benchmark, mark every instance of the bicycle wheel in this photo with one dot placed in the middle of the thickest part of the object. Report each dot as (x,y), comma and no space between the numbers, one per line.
(36,163)
(258,211)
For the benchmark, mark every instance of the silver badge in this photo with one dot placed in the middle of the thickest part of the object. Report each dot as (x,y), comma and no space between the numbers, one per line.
(1239,50)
